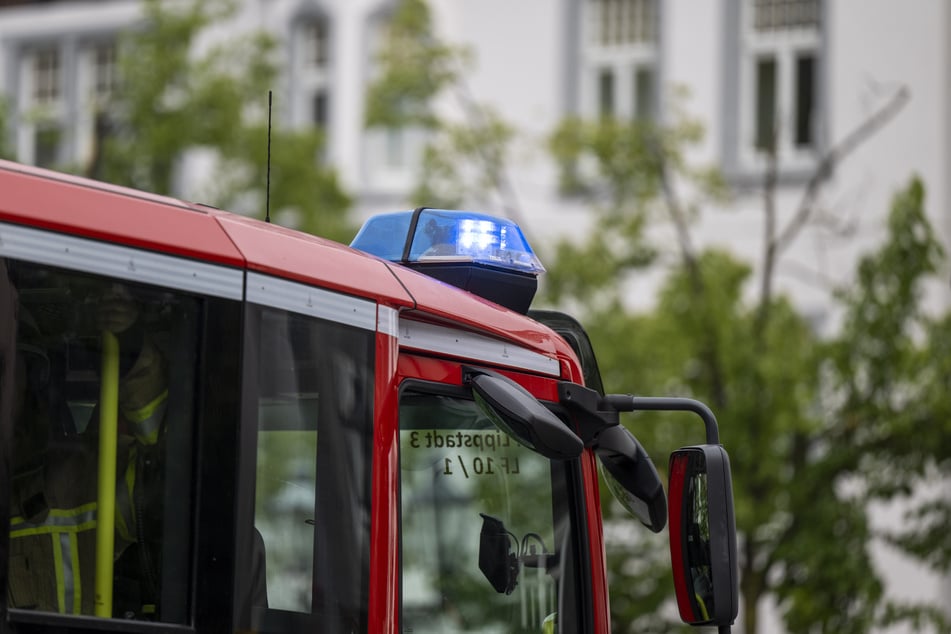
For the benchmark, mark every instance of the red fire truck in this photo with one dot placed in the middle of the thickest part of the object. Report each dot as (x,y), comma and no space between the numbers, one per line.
(210,423)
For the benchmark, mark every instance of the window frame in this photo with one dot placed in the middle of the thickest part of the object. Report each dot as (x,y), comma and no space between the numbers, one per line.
(575,504)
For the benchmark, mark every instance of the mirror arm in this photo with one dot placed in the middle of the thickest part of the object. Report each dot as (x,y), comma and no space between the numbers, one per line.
(595,413)
(586,406)
(629,403)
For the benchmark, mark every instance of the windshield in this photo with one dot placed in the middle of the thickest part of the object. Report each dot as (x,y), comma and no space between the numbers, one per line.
(488,542)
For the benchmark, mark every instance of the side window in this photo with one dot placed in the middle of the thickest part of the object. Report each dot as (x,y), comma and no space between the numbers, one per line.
(101,461)
(313,465)
(488,542)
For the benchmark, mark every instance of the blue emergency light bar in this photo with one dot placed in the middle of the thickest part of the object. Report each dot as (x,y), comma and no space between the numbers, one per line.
(482,254)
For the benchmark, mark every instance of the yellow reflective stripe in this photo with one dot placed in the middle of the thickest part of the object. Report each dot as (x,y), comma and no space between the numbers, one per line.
(124,501)
(77,574)
(60,581)
(67,556)
(147,419)
(62,526)
(73,520)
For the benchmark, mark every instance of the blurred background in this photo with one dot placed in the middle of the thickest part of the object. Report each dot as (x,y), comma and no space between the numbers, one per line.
(744,201)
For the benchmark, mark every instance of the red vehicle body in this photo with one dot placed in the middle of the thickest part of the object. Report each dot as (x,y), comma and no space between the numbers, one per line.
(264,322)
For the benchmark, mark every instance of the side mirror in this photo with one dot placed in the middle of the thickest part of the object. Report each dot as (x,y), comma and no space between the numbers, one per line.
(703,535)
(519,414)
(496,560)
(632,476)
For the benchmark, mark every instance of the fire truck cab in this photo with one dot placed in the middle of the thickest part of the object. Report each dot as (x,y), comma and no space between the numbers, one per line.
(210,423)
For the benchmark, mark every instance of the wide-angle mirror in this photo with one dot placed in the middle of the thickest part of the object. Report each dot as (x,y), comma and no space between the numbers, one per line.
(631,476)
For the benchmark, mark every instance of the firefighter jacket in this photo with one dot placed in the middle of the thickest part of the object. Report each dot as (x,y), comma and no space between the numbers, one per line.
(54,501)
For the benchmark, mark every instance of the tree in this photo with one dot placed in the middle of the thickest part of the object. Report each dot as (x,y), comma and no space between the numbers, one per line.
(617,166)
(777,386)
(172,100)
(465,157)
(817,428)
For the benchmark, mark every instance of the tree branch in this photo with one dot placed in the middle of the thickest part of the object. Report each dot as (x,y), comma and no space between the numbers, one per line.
(711,348)
(769,238)
(833,157)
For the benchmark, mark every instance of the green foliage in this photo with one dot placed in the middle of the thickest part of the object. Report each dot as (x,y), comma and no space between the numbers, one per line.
(171,100)
(817,429)
(459,164)
(302,193)
(463,162)
(415,69)
(616,248)
(626,155)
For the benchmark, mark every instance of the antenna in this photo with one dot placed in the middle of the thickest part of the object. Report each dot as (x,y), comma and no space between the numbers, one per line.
(267,195)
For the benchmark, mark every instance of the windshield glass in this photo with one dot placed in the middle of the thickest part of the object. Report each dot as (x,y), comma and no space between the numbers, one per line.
(488,543)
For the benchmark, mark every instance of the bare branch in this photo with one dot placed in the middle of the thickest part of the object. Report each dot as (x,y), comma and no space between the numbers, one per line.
(711,347)
(675,209)
(769,229)
(833,157)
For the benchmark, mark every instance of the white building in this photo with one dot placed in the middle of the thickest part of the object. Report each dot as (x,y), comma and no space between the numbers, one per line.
(824,66)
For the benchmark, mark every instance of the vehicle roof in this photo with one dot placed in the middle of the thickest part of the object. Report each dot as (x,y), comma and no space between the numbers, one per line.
(100,211)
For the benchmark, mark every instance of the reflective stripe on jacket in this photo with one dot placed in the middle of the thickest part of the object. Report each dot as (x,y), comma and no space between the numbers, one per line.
(53,551)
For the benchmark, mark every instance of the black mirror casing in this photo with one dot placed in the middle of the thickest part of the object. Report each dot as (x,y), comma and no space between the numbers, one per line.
(519,414)
(632,476)
(496,560)
(703,535)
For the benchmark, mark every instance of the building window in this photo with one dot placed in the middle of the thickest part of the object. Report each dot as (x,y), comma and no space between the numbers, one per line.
(46,77)
(105,70)
(777,110)
(606,93)
(319,114)
(312,61)
(805,99)
(390,157)
(41,103)
(644,93)
(315,43)
(620,57)
(765,102)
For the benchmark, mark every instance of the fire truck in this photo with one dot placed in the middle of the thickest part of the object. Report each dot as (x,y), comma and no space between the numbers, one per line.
(210,423)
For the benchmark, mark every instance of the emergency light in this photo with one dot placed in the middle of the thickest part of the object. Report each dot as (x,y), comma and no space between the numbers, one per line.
(482,254)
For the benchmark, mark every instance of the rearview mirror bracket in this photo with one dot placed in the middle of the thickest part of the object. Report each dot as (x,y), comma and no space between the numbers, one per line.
(595,413)
(586,406)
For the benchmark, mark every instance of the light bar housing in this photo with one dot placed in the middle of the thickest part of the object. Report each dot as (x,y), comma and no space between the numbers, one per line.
(482,254)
